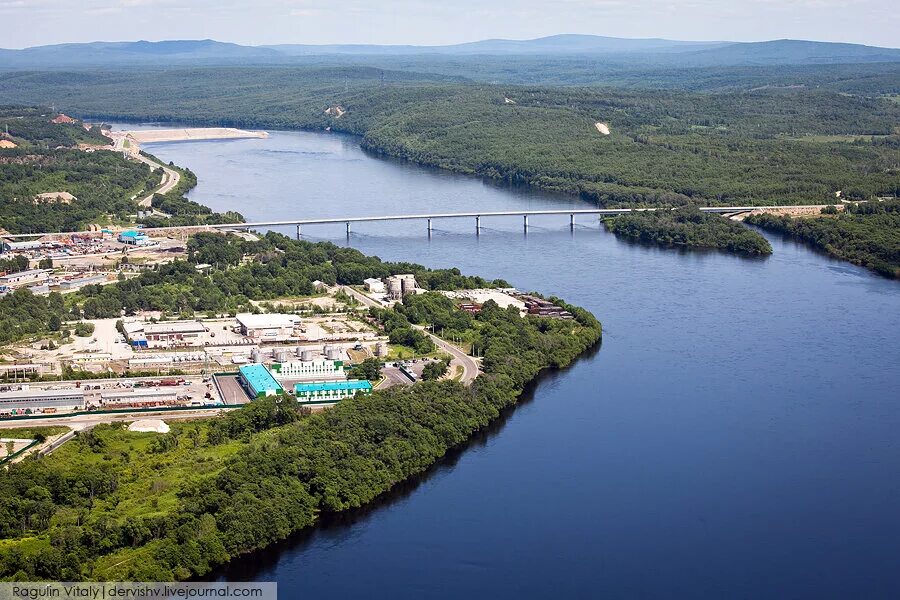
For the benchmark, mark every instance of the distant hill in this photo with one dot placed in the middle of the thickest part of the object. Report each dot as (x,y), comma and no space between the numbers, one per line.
(792,52)
(650,50)
(554,44)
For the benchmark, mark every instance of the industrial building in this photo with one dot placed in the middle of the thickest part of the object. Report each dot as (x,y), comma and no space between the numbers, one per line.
(399,286)
(164,334)
(134,238)
(30,401)
(376,286)
(258,381)
(544,308)
(309,369)
(329,392)
(273,327)
(130,397)
(30,276)
(74,284)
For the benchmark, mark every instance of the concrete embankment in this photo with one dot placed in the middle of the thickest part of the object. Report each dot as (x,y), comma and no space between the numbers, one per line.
(150,136)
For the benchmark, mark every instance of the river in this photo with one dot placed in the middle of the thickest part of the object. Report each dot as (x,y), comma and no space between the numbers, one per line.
(735,436)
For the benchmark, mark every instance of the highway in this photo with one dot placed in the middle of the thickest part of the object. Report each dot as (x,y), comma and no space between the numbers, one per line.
(460,358)
(170,179)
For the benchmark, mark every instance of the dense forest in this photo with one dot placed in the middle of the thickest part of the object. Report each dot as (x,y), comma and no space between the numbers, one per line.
(866,234)
(104,184)
(688,227)
(118,506)
(772,145)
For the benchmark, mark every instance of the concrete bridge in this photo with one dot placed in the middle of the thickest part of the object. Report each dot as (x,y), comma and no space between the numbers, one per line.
(429,218)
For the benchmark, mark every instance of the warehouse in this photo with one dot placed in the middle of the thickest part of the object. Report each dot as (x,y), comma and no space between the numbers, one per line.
(273,327)
(309,369)
(24,277)
(114,398)
(74,284)
(134,238)
(376,286)
(40,401)
(258,381)
(329,392)
(164,334)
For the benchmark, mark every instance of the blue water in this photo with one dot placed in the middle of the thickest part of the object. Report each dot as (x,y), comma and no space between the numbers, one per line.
(735,436)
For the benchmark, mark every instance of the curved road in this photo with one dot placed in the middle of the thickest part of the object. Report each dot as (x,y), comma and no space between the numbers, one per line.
(470,367)
(170,179)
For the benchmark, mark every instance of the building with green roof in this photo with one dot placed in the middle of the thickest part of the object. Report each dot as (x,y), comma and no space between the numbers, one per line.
(329,392)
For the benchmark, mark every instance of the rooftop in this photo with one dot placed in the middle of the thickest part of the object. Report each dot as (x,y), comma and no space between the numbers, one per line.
(264,321)
(330,386)
(133,234)
(260,379)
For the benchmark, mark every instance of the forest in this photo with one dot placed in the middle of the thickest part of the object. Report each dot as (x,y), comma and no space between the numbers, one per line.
(762,146)
(688,227)
(865,234)
(118,506)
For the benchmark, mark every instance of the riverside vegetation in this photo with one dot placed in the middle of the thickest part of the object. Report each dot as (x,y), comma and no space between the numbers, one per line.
(864,234)
(46,159)
(753,146)
(114,505)
(689,227)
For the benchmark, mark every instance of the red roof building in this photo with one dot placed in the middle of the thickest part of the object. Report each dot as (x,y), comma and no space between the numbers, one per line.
(63,119)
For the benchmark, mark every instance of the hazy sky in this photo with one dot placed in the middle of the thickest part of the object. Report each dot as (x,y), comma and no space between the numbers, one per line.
(37,22)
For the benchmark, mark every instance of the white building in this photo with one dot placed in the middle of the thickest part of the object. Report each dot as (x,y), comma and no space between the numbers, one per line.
(164,334)
(272,327)
(309,369)
(31,276)
(40,401)
(376,286)
(138,397)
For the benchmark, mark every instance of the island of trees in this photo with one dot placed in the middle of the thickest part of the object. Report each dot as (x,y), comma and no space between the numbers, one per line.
(688,227)
(114,505)
(866,234)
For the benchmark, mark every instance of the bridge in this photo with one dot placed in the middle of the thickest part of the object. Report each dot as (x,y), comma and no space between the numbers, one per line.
(429,218)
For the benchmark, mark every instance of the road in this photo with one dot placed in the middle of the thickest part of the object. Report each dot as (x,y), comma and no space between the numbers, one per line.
(460,358)
(170,179)
(363,299)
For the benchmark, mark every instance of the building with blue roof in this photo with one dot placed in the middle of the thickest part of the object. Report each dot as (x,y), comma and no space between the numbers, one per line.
(258,381)
(329,392)
(134,238)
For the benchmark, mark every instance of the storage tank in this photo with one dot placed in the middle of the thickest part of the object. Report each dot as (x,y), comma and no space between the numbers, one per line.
(328,348)
(307,355)
(407,286)
(381,349)
(394,287)
(254,355)
(282,356)
(333,354)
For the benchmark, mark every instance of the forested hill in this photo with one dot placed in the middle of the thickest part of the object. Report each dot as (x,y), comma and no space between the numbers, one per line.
(763,147)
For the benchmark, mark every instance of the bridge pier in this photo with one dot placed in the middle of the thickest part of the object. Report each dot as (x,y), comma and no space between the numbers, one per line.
(348,228)
(525,222)
(299,233)
(429,226)
(478,225)
(572,222)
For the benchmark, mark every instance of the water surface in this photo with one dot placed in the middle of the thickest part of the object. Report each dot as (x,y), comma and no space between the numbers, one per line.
(736,435)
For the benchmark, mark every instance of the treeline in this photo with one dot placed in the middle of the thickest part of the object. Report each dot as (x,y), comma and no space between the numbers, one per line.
(23,314)
(688,227)
(283,471)
(182,211)
(666,147)
(866,234)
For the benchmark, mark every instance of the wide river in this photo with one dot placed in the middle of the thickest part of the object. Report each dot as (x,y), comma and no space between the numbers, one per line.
(737,435)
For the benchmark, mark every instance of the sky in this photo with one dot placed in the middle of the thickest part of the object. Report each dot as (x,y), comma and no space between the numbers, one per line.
(434,22)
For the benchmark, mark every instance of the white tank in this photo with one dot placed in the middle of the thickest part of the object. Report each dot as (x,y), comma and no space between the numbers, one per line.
(282,356)
(254,355)
(333,354)
(381,349)
(306,355)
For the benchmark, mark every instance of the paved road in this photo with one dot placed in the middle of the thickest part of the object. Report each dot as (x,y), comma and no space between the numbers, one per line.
(363,299)
(170,179)
(470,367)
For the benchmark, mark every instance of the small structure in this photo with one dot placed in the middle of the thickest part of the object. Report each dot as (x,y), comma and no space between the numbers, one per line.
(134,238)
(272,327)
(74,284)
(63,119)
(309,369)
(376,286)
(31,276)
(150,397)
(258,381)
(544,308)
(27,401)
(149,426)
(319,285)
(399,286)
(329,392)
(6,144)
